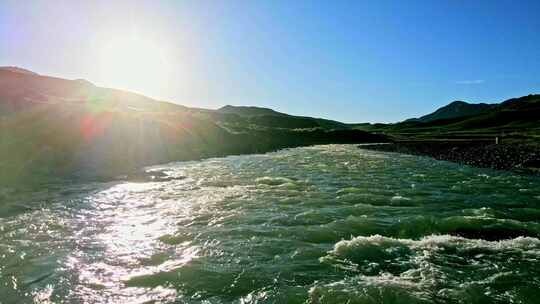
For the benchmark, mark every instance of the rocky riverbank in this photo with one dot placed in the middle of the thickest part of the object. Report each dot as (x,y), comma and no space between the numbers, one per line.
(516,157)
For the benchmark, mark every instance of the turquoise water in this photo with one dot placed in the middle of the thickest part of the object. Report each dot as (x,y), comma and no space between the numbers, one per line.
(323,224)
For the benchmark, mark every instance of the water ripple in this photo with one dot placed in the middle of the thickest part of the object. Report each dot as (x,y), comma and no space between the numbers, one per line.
(322,224)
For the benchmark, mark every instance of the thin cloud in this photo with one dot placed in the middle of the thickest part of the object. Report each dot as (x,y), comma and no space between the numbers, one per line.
(474,81)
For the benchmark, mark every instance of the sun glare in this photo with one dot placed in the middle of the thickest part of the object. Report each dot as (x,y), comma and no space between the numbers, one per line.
(134,62)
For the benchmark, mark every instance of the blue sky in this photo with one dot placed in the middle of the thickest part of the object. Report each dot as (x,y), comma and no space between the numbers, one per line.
(355,61)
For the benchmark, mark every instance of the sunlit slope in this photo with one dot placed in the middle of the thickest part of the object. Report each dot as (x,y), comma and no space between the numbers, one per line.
(52,127)
(59,139)
(20,90)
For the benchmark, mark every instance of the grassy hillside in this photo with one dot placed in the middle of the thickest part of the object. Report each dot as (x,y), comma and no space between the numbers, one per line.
(52,127)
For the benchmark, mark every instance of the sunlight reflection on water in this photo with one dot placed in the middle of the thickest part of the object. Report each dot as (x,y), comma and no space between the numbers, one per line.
(126,229)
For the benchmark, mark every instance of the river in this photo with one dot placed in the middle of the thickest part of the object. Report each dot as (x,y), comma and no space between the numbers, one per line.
(321,224)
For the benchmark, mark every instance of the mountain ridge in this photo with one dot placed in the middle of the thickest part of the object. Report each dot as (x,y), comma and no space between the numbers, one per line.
(17,70)
(516,120)
(454,109)
(250,110)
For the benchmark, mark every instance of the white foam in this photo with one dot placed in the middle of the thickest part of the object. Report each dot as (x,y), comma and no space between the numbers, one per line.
(272,181)
(529,244)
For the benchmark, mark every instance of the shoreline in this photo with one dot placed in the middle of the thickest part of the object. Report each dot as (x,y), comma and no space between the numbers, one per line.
(520,158)
(108,166)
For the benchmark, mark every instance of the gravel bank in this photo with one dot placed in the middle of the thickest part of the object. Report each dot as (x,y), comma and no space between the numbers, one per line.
(519,157)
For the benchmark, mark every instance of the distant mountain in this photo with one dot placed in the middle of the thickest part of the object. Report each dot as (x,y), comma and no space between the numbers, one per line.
(514,115)
(516,119)
(246,116)
(460,110)
(54,127)
(455,109)
(269,118)
(525,109)
(249,111)
(526,102)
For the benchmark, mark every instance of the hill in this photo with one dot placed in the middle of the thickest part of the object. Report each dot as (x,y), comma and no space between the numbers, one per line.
(24,90)
(455,109)
(17,70)
(54,127)
(256,116)
(503,136)
(249,111)
(516,119)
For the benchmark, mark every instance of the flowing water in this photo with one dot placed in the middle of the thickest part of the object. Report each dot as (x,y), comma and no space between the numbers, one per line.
(323,224)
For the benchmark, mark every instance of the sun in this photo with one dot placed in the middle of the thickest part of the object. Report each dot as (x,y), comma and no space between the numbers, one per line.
(135,63)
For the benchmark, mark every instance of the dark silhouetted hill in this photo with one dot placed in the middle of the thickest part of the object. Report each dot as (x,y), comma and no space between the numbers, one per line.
(269,118)
(504,136)
(455,109)
(249,111)
(58,128)
(516,119)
